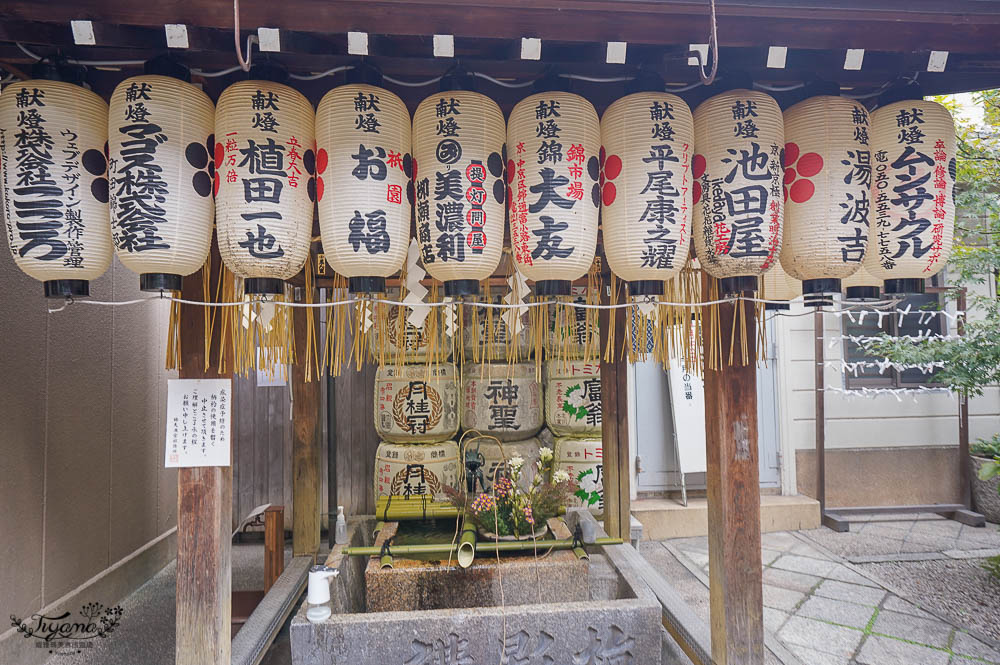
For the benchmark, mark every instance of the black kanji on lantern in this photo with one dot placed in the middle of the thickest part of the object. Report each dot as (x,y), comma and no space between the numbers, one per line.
(549,240)
(369,230)
(546,190)
(368,164)
(261,245)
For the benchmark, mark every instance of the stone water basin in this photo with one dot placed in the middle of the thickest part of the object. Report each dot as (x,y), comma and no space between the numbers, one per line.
(555,609)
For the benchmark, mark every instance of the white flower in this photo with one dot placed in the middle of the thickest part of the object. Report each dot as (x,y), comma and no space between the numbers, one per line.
(545,453)
(560,476)
(576,399)
(516,462)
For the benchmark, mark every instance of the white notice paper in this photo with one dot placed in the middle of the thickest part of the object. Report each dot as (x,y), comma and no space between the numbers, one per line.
(199,412)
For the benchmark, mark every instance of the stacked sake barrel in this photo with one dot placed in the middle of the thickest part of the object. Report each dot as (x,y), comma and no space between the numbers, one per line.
(416,416)
(504,404)
(399,340)
(573,415)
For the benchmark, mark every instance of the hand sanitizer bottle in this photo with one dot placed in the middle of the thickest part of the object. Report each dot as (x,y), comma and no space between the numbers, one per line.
(340,537)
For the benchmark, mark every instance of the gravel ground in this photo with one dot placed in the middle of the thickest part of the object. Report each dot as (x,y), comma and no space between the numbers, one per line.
(957,589)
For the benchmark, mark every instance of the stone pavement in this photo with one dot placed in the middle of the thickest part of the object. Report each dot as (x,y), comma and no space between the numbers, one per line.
(822,609)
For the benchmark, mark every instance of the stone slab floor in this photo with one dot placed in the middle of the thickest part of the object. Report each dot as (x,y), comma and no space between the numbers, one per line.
(826,603)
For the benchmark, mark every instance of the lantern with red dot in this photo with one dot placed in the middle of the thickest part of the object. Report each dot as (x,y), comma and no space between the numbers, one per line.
(913,207)
(363,141)
(160,139)
(827,193)
(264,208)
(738,205)
(554,139)
(647,140)
(458,141)
(54,186)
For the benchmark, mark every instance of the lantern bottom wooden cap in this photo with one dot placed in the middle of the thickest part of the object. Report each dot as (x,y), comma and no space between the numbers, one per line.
(902,287)
(777,306)
(862,293)
(366,284)
(455,288)
(645,287)
(737,286)
(553,287)
(819,286)
(263,286)
(65,288)
(160,281)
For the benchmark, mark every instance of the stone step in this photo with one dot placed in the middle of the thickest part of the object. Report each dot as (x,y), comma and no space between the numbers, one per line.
(667,518)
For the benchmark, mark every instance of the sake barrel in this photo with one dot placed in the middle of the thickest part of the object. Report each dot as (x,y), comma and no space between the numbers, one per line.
(569,336)
(502,400)
(486,336)
(408,342)
(415,470)
(583,460)
(416,402)
(526,450)
(573,397)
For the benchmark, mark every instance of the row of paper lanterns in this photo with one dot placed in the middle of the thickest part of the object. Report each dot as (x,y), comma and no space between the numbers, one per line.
(822,191)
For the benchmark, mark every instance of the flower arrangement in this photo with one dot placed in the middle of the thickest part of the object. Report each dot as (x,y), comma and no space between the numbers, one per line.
(507,509)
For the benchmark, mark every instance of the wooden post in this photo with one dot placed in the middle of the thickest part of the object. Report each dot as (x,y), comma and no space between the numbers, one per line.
(204,513)
(614,418)
(274,545)
(734,494)
(306,503)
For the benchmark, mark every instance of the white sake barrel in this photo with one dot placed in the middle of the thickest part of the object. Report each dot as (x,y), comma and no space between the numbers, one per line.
(412,342)
(583,460)
(573,397)
(526,450)
(487,335)
(416,403)
(414,470)
(502,400)
(569,336)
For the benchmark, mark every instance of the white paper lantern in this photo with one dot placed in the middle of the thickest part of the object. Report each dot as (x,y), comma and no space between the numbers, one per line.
(828,176)
(862,286)
(553,140)
(779,285)
(738,206)
(265,160)
(647,142)
(161,143)
(364,190)
(459,152)
(913,204)
(53,151)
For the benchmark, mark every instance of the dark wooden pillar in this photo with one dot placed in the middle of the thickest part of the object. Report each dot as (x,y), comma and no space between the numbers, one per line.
(204,513)
(274,545)
(614,417)
(306,503)
(734,495)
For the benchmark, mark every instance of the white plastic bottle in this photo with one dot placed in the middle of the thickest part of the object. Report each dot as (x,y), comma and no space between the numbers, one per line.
(340,537)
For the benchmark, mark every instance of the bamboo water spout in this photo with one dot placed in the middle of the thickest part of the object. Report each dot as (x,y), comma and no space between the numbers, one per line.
(480,547)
